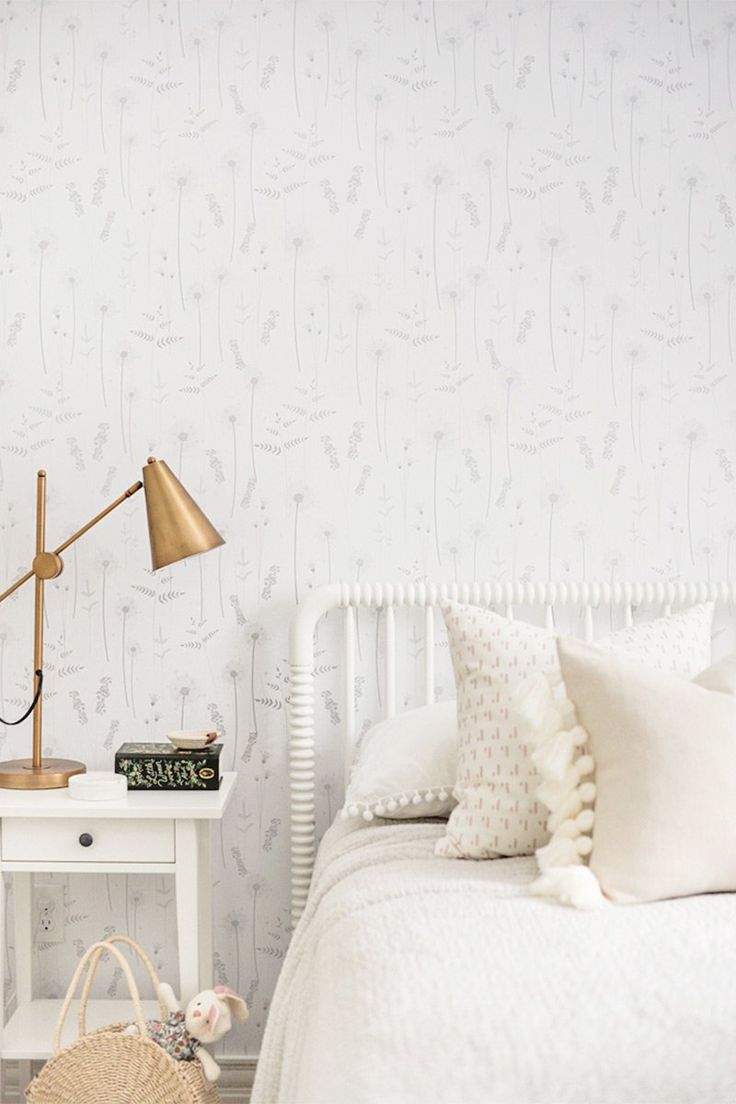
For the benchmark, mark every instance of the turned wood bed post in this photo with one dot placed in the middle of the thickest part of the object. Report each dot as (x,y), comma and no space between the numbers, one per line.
(301,739)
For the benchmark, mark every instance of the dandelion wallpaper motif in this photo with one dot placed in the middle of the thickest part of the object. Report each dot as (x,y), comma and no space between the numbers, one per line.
(400,289)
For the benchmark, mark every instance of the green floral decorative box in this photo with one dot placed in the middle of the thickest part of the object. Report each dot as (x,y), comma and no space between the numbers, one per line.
(164,767)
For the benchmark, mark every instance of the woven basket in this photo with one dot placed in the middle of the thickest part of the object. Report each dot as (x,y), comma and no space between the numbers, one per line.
(109,1067)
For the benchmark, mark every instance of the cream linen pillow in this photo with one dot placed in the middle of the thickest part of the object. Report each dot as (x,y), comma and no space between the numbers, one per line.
(493,657)
(664,753)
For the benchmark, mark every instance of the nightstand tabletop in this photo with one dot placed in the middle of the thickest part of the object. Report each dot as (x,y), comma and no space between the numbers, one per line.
(136,805)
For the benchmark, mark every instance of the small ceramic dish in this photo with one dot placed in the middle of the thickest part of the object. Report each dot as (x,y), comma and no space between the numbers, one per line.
(98,786)
(191,739)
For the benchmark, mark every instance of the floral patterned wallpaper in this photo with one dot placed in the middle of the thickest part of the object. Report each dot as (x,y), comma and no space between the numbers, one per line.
(400,289)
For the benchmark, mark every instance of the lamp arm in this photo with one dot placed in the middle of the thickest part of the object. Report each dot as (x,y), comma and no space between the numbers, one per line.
(103,513)
(75,536)
(14,586)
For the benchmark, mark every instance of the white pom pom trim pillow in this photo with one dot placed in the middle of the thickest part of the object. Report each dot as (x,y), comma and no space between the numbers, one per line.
(658,820)
(566,790)
(498,811)
(406,766)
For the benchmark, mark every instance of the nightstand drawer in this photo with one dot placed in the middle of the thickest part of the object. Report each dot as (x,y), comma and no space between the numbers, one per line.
(87,840)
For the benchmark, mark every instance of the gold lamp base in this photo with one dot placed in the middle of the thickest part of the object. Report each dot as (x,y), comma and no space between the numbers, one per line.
(53,774)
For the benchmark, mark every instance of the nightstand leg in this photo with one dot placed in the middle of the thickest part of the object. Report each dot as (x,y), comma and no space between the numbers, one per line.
(3,951)
(206,975)
(189,891)
(23,938)
(25,1076)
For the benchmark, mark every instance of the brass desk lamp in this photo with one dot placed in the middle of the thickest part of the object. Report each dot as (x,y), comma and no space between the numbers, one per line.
(177,529)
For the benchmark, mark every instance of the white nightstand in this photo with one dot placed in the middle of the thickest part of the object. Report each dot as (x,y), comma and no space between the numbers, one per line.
(144,833)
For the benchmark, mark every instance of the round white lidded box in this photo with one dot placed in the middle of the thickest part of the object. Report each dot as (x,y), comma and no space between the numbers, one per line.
(98,786)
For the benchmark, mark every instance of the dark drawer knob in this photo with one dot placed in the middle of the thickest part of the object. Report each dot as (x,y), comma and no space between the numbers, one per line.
(86,839)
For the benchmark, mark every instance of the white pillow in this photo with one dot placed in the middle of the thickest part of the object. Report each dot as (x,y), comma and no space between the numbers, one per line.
(406,766)
(658,821)
(493,658)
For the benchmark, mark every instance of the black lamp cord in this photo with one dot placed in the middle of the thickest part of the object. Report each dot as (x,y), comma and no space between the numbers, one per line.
(32,706)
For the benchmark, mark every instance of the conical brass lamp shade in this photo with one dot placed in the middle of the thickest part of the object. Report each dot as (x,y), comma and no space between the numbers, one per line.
(176,526)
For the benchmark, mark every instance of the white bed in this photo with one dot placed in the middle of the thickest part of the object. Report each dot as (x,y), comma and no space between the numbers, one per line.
(412,979)
(380,1001)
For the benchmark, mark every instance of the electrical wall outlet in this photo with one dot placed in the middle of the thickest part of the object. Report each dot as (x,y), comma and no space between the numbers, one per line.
(48,913)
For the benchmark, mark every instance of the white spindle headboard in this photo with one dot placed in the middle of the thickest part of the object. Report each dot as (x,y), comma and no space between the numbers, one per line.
(390,597)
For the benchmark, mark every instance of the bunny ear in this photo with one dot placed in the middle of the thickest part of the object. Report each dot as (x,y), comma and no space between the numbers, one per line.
(238,1007)
(213,1015)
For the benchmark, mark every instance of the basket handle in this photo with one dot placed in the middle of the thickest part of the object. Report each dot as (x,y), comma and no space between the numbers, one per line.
(138,950)
(90,960)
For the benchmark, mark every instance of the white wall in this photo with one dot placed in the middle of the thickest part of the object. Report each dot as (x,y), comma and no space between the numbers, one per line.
(438,289)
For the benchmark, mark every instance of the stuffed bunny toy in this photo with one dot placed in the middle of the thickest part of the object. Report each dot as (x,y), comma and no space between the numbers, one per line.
(207,1018)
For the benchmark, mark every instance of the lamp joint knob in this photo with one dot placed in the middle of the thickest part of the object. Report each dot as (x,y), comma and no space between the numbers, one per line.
(47,565)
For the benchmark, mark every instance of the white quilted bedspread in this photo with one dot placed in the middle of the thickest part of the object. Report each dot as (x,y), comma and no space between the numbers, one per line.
(412,980)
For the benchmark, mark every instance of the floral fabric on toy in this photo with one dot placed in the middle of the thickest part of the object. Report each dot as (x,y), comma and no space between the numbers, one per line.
(172,1035)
